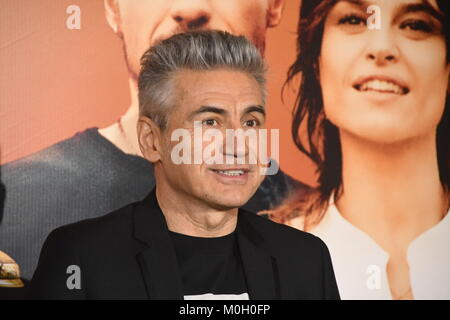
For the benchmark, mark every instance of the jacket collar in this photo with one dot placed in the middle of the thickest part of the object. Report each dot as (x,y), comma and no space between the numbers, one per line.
(259,265)
(159,263)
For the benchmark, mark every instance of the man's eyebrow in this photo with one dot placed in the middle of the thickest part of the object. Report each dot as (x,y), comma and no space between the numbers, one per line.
(257,108)
(206,109)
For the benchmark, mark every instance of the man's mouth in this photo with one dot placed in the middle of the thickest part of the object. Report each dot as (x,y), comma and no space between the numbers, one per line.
(381,85)
(231,172)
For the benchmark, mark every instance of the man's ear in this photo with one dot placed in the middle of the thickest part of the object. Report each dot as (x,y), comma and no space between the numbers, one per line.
(274,12)
(149,135)
(112,16)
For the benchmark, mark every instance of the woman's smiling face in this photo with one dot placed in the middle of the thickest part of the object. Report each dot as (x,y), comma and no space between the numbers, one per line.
(384,85)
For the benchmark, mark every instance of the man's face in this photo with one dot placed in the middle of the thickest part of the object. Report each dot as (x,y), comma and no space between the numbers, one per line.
(221,100)
(142,23)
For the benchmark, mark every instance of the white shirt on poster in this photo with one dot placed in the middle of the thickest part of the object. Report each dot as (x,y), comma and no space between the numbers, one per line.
(360,263)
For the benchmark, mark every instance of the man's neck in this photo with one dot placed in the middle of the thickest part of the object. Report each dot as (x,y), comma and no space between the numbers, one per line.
(187,215)
(123,133)
(393,193)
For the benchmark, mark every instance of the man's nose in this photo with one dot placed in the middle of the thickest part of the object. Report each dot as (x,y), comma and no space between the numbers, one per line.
(191,14)
(237,143)
(236,147)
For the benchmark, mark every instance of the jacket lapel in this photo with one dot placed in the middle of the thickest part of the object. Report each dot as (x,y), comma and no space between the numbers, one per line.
(158,261)
(159,265)
(259,266)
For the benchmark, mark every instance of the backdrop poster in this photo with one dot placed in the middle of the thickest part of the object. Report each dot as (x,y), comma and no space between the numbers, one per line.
(363,126)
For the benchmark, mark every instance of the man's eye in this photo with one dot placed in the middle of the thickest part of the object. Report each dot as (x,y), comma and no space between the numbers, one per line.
(417,25)
(209,122)
(251,123)
(353,19)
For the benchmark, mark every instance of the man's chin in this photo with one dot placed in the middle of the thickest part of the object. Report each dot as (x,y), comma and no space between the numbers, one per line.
(228,202)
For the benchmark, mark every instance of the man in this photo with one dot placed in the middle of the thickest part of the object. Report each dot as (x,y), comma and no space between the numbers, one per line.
(188,239)
(98,171)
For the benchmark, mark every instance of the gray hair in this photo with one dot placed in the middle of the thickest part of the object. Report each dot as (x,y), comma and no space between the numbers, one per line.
(195,50)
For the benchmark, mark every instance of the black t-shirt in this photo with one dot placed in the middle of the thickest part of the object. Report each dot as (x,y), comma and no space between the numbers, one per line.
(210,268)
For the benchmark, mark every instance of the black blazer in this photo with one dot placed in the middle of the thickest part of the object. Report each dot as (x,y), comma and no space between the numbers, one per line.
(128,254)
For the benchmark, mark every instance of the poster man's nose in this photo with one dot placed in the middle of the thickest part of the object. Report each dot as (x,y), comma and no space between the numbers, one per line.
(191,14)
